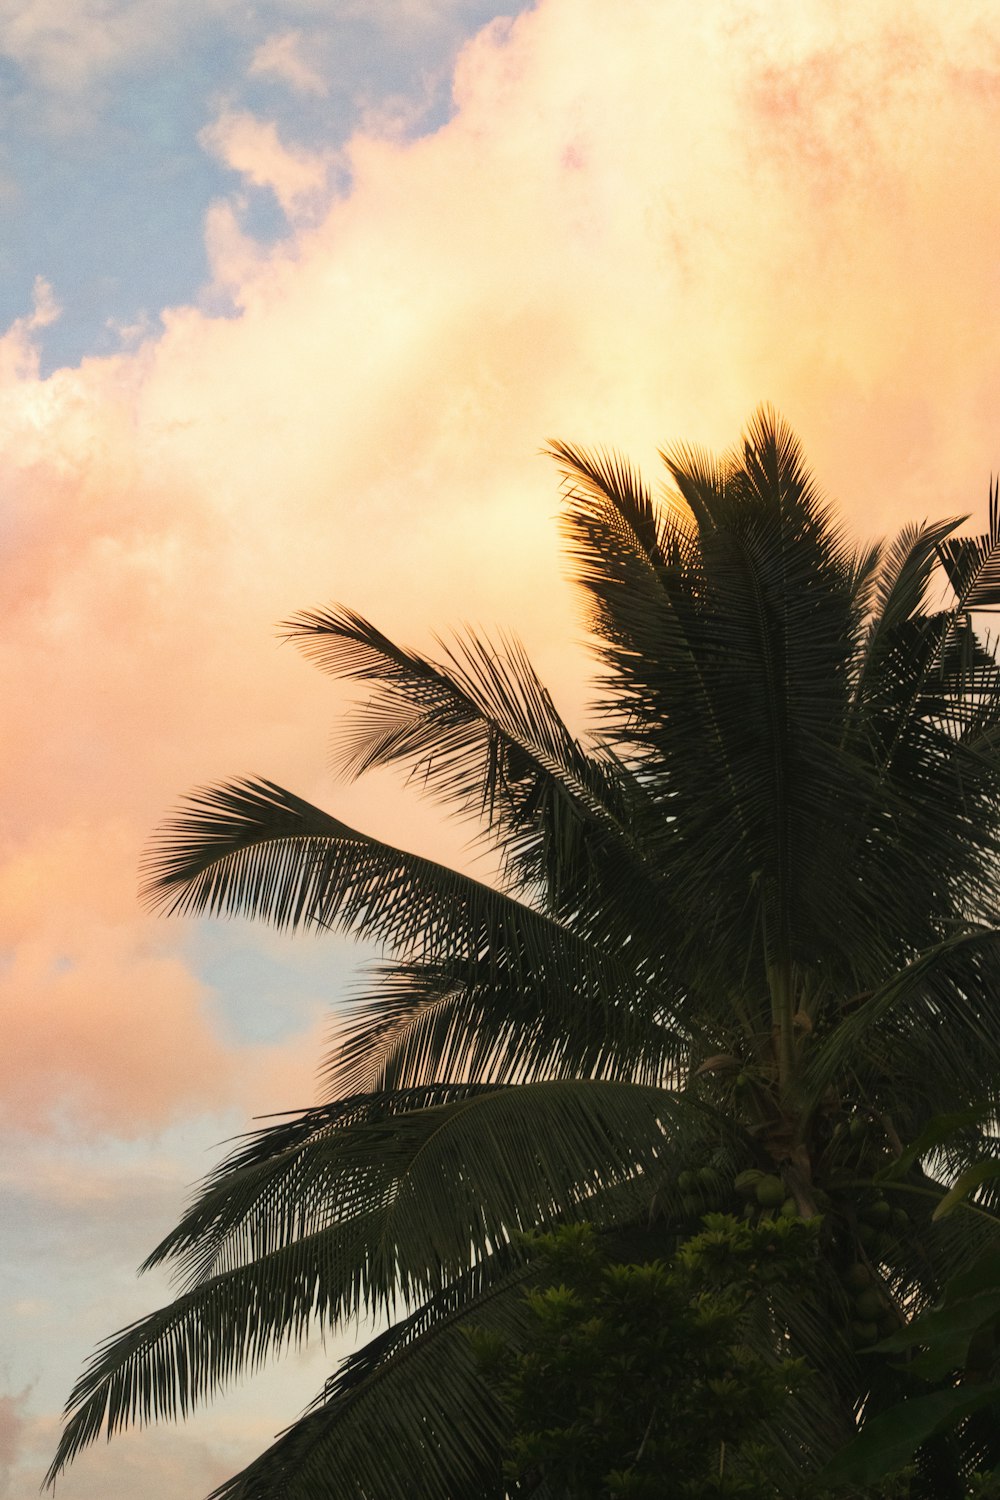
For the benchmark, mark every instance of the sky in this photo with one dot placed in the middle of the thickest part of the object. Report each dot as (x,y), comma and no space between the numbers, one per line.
(294,293)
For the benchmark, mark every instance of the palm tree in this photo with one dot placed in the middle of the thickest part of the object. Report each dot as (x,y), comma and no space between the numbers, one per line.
(749,925)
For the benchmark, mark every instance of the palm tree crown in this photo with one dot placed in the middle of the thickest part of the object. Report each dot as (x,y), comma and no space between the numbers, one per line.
(749,923)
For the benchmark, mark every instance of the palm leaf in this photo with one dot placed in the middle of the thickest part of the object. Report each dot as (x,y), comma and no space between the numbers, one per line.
(423,1021)
(413,1405)
(363,1208)
(948,979)
(250,848)
(973,563)
(899,597)
(482,733)
(541,1148)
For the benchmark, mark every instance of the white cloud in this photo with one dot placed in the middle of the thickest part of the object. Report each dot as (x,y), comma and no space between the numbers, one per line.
(281,56)
(19,357)
(252,147)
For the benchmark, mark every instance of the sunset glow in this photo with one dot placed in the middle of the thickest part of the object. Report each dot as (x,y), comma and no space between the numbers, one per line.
(633,224)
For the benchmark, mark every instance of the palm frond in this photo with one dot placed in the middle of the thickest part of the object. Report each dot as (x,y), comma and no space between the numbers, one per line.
(900,595)
(423,1021)
(412,1405)
(482,733)
(973,563)
(952,984)
(774,624)
(353,1210)
(177,1358)
(250,848)
(271,1189)
(634,567)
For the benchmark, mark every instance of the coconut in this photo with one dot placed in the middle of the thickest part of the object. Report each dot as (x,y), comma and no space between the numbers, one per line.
(869,1304)
(746,1183)
(770,1192)
(857,1277)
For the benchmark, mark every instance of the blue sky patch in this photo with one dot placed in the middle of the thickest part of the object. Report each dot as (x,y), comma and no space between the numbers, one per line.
(105,185)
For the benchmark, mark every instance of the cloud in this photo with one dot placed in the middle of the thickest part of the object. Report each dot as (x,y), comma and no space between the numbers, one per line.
(104,1023)
(252,147)
(160,1464)
(151,1463)
(280,56)
(639,222)
(13,1423)
(79,1217)
(66,45)
(18,349)
(619,244)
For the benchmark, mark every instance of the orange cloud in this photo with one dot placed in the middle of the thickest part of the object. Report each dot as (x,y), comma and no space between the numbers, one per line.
(103,1022)
(638,224)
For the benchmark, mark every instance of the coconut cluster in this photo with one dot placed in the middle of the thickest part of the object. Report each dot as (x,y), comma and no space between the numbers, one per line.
(861,1229)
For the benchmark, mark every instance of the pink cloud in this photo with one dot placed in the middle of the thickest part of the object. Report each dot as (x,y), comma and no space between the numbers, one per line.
(157,1462)
(624,243)
(153,1464)
(13,1424)
(104,1023)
